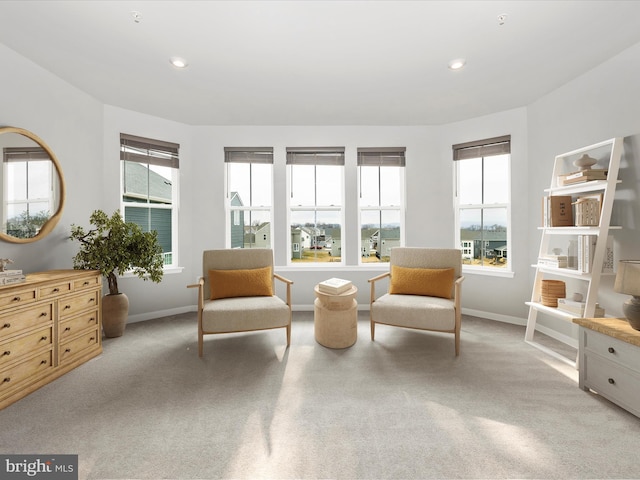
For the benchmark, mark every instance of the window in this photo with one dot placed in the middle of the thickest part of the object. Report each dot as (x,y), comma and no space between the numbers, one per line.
(150,189)
(315,203)
(30,197)
(249,196)
(482,199)
(381,187)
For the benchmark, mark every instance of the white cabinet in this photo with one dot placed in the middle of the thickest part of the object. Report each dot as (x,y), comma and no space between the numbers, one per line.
(609,360)
(607,154)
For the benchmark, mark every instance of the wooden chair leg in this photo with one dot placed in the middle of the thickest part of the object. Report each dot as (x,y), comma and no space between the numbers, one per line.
(457,343)
(289,334)
(373,329)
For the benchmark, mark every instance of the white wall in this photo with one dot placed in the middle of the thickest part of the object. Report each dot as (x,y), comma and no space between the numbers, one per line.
(497,297)
(84,134)
(601,104)
(70,123)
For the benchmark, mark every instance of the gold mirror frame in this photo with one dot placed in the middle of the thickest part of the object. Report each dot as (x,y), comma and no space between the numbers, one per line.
(49,225)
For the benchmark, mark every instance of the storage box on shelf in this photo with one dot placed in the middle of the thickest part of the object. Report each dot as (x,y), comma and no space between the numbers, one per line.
(49,324)
(592,193)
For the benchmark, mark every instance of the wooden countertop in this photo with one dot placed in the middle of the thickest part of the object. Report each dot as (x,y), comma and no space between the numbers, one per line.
(614,327)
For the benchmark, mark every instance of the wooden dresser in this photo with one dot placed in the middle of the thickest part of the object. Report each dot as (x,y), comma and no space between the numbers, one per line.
(609,360)
(49,325)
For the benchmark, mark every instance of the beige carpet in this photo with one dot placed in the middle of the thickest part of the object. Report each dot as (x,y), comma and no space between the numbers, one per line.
(401,407)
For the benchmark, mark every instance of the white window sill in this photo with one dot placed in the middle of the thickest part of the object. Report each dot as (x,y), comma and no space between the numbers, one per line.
(466,270)
(165,271)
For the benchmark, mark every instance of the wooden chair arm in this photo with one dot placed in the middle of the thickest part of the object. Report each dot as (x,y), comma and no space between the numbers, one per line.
(289,283)
(373,281)
(200,287)
(379,277)
(282,279)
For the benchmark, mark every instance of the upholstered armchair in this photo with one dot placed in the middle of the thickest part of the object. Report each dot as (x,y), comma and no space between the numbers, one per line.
(424,291)
(236,293)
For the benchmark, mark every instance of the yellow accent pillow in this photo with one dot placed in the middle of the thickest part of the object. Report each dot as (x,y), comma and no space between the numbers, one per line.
(254,282)
(431,282)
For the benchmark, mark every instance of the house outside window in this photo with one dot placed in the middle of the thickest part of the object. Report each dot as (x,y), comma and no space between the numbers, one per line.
(381,202)
(316,192)
(249,196)
(150,189)
(30,197)
(483,203)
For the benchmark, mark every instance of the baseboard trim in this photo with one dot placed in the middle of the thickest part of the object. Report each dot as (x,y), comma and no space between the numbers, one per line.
(495,316)
(142,317)
(365,307)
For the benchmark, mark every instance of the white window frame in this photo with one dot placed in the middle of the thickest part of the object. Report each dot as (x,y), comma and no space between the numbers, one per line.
(483,149)
(161,153)
(251,156)
(317,156)
(381,157)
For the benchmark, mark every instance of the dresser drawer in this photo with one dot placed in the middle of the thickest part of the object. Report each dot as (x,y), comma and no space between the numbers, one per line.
(25,319)
(22,345)
(16,297)
(69,350)
(70,306)
(612,349)
(49,291)
(87,282)
(31,369)
(72,327)
(613,381)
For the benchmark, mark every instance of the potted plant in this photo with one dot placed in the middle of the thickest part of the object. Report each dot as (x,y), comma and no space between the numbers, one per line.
(114,246)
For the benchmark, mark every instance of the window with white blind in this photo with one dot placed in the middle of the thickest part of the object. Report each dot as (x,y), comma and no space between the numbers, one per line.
(150,189)
(249,196)
(29,198)
(483,203)
(381,201)
(316,192)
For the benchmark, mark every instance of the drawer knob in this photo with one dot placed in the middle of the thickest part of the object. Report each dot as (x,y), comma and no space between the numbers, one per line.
(68,329)
(43,362)
(6,325)
(611,350)
(15,299)
(6,353)
(67,307)
(43,314)
(91,320)
(612,381)
(86,282)
(56,290)
(6,380)
(92,300)
(43,338)
(68,350)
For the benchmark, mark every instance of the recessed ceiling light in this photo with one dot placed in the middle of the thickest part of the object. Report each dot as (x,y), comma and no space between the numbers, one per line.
(178,62)
(457,64)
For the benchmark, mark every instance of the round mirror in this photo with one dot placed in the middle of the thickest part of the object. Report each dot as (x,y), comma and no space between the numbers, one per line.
(33,188)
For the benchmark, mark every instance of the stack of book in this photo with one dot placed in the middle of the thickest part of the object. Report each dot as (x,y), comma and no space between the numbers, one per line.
(334,286)
(582,176)
(9,277)
(554,261)
(577,308)
(557,211)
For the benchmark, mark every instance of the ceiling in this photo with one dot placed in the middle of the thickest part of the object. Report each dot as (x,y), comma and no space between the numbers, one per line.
(318,62)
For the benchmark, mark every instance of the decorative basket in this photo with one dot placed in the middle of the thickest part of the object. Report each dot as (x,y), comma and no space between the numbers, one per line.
(551,291)
(587,212)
